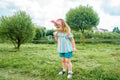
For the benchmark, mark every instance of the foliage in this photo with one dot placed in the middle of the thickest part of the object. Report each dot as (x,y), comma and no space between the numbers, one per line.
(87,33)
(116,29)
(107,35)
(91,37)
(98,37)
(17,28)
(81,18)
(50,32)
(40,32)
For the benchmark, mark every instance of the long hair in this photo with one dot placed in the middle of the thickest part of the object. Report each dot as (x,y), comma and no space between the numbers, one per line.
(65,26)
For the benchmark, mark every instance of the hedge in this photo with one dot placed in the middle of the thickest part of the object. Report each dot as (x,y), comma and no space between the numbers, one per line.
(44,41)
(93,41)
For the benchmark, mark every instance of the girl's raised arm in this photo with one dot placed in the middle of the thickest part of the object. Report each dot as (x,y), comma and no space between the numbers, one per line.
(55,35)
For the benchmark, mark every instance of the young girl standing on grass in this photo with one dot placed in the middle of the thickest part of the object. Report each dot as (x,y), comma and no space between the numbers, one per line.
(66,45)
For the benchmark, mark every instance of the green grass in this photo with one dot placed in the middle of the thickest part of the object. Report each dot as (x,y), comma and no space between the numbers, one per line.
(41,62)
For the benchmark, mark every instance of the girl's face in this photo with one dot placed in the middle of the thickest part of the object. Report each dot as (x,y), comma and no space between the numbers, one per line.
(58,27)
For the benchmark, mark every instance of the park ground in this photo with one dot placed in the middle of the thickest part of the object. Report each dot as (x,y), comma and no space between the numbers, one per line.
(41,62)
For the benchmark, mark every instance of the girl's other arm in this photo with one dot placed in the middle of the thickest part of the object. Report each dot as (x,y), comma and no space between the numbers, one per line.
(73,44)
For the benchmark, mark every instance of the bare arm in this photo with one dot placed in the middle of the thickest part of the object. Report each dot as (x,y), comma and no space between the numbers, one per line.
(55,35)
(73,44)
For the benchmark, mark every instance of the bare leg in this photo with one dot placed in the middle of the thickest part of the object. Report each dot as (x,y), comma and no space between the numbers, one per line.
(64,66)
(69,64)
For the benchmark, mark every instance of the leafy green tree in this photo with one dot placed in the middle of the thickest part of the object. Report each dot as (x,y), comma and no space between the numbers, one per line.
(17,28)
(116,29)
(81,18)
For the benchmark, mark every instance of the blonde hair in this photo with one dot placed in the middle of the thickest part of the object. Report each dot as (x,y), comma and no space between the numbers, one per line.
(65,26)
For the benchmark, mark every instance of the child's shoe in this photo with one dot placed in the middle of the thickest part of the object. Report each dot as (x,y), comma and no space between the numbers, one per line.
(61,72)
(69,75)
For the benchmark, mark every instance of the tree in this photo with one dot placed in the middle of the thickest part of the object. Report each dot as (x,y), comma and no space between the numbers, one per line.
(17,28)
(116,29)
(81,18)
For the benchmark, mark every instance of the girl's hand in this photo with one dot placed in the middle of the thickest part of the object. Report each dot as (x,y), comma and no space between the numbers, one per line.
(55,33)
(74,49)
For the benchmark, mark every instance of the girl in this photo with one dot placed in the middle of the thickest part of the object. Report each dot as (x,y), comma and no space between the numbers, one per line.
(66,45)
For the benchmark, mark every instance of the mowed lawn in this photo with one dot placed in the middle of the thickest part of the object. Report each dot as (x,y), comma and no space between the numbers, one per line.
(41,62)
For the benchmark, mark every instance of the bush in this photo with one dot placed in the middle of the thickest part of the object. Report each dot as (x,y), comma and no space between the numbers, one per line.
(98,37)
(44,41)
(39,33)
(50,32)
(106,35)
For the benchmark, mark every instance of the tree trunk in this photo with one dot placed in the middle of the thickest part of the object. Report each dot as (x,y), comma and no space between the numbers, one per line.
(18,44)
(83,36)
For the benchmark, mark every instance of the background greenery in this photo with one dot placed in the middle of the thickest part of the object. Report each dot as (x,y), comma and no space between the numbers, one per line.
(90,37)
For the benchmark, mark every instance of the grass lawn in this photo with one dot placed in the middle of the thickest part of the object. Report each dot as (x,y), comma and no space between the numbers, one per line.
(41,62)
